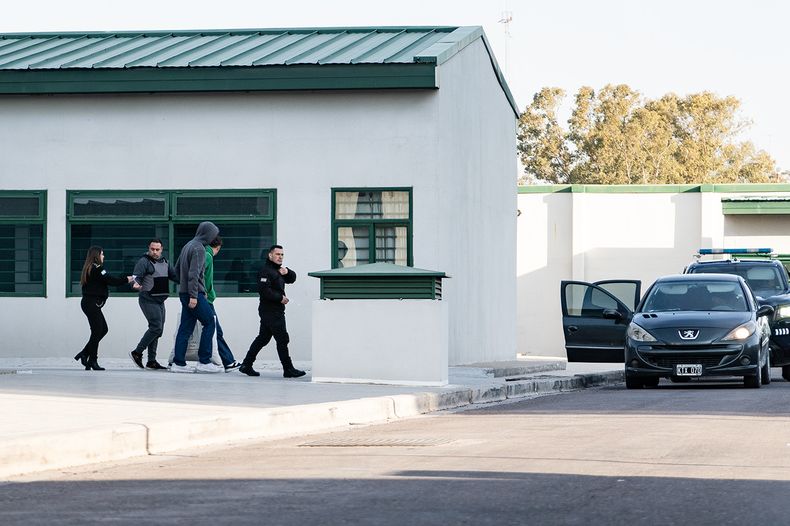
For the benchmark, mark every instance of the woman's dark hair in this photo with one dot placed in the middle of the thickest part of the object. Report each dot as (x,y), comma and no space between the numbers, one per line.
(216,243)
(92,258)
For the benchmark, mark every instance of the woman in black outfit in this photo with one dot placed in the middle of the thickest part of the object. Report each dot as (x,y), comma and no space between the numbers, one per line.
(94,280)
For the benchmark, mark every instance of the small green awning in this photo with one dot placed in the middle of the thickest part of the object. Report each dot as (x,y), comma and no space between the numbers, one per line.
(755,205)
(380,281)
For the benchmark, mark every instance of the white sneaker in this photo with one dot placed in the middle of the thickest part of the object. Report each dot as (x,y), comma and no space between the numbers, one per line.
(208,368)
(181,369)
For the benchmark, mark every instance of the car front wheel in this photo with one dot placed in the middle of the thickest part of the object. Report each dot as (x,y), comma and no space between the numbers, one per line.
(651,381)
(755,381)
(633,382)
(766,371)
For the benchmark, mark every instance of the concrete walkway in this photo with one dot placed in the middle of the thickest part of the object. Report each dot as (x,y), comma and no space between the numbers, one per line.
(53,414)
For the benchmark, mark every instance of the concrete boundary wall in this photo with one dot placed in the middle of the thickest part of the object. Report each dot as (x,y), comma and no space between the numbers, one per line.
(590,233)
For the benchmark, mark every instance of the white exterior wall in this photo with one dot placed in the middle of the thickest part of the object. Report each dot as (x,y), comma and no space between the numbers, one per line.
(545,246)
(461,167)
(475,207)
(410,352)
(301,144)
(597,236)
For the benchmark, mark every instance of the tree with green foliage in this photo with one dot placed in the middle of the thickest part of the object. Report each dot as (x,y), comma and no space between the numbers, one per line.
(616,136)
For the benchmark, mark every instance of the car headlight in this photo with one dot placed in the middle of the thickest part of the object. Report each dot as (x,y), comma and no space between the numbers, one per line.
(742,332)
(637,333)
(783,311)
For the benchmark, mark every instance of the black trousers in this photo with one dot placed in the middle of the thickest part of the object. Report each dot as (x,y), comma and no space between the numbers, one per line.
(272,326)
(91,306)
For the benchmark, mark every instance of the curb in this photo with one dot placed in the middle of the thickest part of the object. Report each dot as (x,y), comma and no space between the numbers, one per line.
(520,369)
(132,439)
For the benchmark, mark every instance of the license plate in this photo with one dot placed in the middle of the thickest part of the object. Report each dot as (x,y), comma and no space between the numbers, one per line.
(688,370)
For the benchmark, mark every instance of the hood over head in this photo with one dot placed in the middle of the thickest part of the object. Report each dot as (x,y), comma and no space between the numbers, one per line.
(206,232)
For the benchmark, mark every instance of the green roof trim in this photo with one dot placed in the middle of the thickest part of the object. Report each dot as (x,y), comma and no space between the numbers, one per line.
(233,60)
(275,78)
(646,189)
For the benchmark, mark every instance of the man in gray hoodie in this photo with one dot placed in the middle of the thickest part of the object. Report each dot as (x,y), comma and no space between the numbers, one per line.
(190,267)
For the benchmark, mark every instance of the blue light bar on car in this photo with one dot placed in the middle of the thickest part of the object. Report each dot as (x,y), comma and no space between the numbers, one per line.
(707,251)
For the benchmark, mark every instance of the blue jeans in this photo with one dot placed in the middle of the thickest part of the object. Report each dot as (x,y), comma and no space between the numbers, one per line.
(189,317)
(224,351)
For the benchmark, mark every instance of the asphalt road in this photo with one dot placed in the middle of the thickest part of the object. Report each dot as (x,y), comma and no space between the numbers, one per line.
(699,453)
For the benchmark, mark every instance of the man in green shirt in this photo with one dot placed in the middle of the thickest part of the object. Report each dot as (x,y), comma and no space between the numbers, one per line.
(225,354)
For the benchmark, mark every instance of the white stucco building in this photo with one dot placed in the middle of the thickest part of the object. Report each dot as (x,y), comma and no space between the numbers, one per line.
(397,142)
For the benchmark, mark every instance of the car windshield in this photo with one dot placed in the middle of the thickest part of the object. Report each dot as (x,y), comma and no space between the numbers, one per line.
(695,296)
(764,280)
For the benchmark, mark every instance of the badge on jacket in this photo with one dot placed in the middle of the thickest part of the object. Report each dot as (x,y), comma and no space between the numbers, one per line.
(264,280)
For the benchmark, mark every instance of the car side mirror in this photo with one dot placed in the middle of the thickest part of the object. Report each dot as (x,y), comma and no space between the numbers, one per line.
(612,314)
(764,310)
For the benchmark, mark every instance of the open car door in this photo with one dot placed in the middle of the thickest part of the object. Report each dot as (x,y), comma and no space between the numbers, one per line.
(595,317)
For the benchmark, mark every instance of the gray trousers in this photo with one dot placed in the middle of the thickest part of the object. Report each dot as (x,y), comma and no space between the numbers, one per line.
(154,312)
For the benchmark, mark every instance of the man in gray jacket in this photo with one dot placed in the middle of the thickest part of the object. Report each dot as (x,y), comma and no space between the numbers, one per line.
(190,267)
(152,274)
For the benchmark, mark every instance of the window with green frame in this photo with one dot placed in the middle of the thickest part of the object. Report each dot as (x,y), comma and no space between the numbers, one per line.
(371,225)
(23,219)
(122,223)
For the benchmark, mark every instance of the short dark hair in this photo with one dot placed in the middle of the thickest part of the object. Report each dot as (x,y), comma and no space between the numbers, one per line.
(271,248)
(217,242)
(156,240)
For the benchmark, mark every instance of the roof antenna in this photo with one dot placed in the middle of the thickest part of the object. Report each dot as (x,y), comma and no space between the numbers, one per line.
(507,17)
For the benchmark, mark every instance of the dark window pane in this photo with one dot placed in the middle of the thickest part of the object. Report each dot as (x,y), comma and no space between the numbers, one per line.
(123,244)
(353,246)
(119,206)
(19,206)
(22,259)
(391,244)
(207,206)
(244,246)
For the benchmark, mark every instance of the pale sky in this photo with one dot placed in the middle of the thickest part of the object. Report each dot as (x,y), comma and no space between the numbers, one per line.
(729,47)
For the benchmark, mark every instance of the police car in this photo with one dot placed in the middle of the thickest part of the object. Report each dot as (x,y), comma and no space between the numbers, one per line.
(768,279)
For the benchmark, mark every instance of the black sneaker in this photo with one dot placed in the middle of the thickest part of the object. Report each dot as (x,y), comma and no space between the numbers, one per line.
(232,367)
(248,370)
(155,366)
(292,372)
(137,358)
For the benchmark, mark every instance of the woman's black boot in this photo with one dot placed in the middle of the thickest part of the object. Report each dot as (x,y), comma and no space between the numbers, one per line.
(82,357)
(94,365)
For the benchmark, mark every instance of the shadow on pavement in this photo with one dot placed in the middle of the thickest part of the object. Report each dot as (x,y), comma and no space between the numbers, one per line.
(407,497)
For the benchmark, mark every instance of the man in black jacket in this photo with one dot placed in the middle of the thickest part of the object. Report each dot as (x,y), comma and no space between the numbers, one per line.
(272,279)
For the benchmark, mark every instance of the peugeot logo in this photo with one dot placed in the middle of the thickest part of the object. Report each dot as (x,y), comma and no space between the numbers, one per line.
(689,334)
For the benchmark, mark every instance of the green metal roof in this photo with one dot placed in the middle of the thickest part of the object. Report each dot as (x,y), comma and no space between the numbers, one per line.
(756,205)
(378,269)
(232,60)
